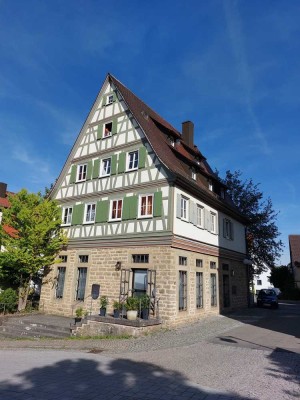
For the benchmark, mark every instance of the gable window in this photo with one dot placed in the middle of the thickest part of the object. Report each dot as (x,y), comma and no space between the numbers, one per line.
(259,282)
(107,129)
(132,160)
(210,185)
(116,210)
(199,289)
(146,206)
(63,258)
(184,208)
(213,222)
(182,260)
(81,172)
(90,213)
(182,291)
(199,263)
(200,215)
(67,215)
(105,167)
(61,273)
(140,258)
(228,229)
(80,284)
(110,99)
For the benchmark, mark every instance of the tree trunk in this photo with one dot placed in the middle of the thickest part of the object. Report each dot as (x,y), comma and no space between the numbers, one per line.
(23,295)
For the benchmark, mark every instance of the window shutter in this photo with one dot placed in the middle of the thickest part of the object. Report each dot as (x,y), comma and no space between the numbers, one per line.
(73,174)
(89,170)
(142,157)
(231,231)
(121,164)
(126,208)
(102,211)
(224,227)
(99,131)
(133,207)
(96,168)
(178,206)
(115,96)
(157,209)
(114,126)
(104,101)
(192,211)
(77,215)
(113,169)
(207,220)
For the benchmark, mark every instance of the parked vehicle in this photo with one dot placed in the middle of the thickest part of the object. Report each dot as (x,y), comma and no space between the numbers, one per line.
(267,297)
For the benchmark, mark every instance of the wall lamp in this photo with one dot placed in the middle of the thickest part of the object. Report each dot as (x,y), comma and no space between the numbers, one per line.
(118,265)
(232,272)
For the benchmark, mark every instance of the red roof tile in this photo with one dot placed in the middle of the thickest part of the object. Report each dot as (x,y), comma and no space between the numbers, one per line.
(10,231)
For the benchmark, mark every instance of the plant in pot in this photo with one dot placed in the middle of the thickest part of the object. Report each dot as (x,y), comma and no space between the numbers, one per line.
(79,314)
(145,306)
(132,306)
(103,305)
(117,306)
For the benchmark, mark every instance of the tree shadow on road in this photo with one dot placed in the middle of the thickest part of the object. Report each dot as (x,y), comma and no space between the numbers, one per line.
(104,379)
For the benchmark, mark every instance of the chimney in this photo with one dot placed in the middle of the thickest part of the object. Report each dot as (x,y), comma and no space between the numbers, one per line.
(188,133)
(3,187)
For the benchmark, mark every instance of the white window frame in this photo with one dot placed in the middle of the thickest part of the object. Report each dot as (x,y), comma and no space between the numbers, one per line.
(67,216)
(81,172)
(200,215)
(194,175)
(89,213)
(103,171)
(184,208)
(117,201)
(228,229)
(110,99)
(210,185)
(132,158)
(213,222)
(146,214)
(106,135)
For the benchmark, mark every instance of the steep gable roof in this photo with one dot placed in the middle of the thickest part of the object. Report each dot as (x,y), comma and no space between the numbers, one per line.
(295,249)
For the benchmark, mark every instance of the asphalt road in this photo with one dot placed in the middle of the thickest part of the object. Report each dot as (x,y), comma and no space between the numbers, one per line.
(253,354)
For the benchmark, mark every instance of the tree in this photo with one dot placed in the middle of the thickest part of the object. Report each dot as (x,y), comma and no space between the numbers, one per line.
(282,278)
(34,246)
(263,244)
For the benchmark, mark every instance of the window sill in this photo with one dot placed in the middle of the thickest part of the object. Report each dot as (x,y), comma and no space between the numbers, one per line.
(88,222)
(145,216)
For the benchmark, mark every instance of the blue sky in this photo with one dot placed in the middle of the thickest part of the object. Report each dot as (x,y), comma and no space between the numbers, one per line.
(232,67)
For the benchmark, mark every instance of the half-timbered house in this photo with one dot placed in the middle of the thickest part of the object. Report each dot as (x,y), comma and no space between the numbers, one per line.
(144,213)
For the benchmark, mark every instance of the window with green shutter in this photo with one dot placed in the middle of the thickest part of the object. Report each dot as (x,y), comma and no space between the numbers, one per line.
(73,174)
(99,131)
(157,209)
(77,216)
(96,168)
(113,164)
(102,211)
(121,163)
(142,157)
(89,169)
(114,126)
(129,207)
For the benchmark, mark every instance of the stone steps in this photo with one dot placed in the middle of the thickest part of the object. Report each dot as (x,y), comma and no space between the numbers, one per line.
(35,326)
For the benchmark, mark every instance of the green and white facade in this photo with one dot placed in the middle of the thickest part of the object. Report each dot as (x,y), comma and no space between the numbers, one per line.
(144,213)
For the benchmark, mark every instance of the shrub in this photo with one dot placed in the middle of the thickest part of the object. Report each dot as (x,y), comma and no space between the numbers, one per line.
(132,303)
(8,298)
(103,301)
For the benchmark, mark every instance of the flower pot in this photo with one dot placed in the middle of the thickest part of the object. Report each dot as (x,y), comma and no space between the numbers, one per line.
(102,312)
(78,319)
(132,315)
(116,313)
(145,313)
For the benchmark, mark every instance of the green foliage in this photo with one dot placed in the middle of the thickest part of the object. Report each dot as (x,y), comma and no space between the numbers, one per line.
(37,242)
(104,301)
(145,301)
(262,232)
(283,278)
(117,305)
(79,312)
(132,303)
(8,299)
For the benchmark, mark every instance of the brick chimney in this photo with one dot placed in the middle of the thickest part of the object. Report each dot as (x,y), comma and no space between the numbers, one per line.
(188,133)
(3,187)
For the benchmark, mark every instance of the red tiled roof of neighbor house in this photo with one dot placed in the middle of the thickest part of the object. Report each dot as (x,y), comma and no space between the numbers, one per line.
(10,231)
(295,249)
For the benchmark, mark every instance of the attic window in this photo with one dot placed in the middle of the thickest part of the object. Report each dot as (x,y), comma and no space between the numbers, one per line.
(194,175)
(172,141)
(110,99)
(107,129)
(145,115)
(222,192)
(210,185)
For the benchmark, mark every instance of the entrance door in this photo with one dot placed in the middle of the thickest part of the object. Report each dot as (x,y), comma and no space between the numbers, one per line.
(226,292)
(139,282)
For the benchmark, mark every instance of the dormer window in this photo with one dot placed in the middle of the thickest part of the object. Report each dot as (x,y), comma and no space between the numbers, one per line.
(210,185)
(222,193)
(194,175)
(172,141)
(107,129)
(197,160)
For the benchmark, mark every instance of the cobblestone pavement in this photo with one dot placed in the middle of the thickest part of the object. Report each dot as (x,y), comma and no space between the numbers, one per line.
(186,363)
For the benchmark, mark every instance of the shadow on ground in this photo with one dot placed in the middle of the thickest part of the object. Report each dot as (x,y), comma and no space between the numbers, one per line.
(104,379)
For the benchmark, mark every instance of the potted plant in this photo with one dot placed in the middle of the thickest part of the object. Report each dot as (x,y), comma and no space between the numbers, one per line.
(117,306)
(79,314)
(103,305)
(132,306)
(145,306)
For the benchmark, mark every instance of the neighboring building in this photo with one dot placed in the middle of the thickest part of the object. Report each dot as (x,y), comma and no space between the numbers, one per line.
(144,213)
(4,203)
(294,241)
(262,281)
